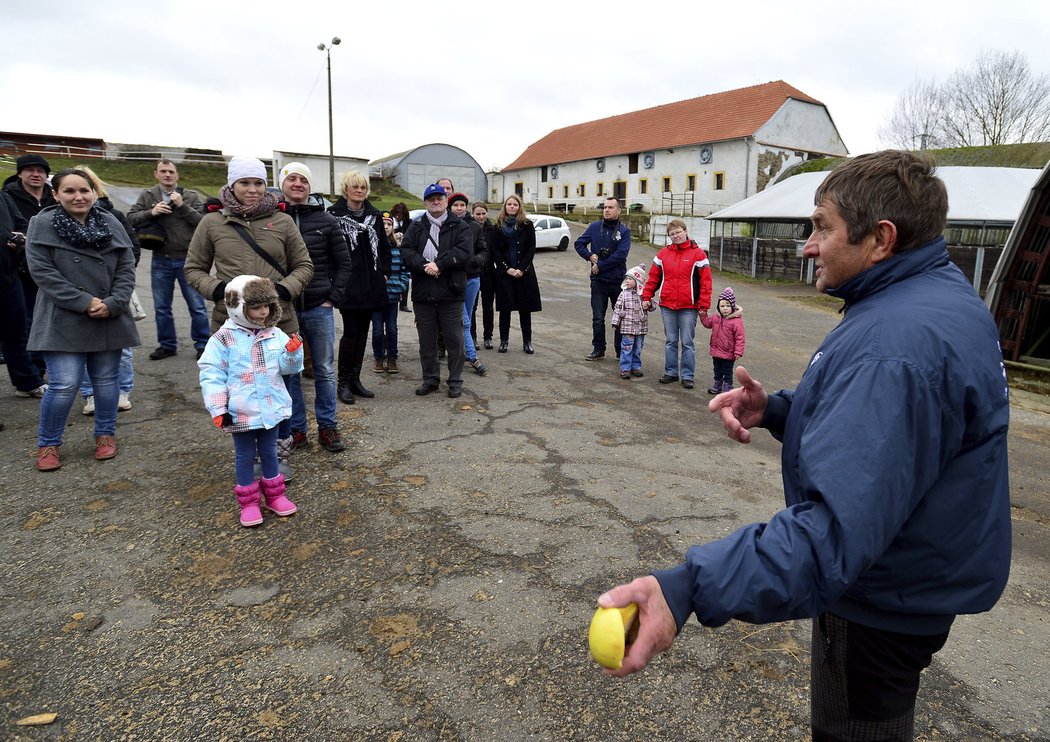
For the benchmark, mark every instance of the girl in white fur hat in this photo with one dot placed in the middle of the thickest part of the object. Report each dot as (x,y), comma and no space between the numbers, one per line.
(241,378)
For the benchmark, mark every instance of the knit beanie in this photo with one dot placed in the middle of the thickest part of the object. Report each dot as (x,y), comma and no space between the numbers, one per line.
(458,197)
(728,295)
(297,168)
(26,160)
(639,275)
(244,167)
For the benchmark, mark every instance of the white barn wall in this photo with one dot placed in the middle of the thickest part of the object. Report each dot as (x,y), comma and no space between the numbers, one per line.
(802,126)
(318,165)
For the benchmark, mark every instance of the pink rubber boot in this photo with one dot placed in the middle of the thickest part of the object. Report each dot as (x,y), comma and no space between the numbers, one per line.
(273,496)
(248,499)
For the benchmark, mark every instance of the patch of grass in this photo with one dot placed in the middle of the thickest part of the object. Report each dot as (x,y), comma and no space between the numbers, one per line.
(207,179)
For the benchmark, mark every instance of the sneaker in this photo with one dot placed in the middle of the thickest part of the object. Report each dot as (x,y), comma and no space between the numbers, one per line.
(594,355)
(47,458)
(162,352)
(38,392)
(299,440)
(668,379)
(625,375)
(380,367)
(687,383)
(123,402)
(637,373)
(331,440)
(391,366)
(478,366)
(105,447)
(89,405)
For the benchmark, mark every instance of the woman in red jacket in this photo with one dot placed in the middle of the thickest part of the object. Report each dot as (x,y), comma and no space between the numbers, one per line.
(681,274)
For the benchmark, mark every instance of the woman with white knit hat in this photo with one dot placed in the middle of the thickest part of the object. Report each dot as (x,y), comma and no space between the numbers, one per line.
(249,235)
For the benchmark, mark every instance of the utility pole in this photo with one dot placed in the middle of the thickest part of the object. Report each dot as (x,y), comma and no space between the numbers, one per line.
(327,49)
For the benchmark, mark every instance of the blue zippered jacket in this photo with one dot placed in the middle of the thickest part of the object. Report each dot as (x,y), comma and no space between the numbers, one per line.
(612,239)
(894,466)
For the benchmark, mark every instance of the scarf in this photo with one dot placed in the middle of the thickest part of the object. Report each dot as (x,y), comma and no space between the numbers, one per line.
(353,228)
(430,251)
(266,205)
(94,233)
(510,231)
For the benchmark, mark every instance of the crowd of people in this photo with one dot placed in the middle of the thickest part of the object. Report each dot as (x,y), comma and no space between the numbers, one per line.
(349,257)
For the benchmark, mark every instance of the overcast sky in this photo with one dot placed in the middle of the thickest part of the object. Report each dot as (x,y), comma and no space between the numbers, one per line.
(490,78)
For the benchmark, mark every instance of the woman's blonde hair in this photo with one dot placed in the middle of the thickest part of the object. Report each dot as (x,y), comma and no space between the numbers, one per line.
(353,178)
(521,216)
(96,182)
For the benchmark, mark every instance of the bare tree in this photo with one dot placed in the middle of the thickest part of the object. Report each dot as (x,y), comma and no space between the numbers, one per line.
(916,118)
(997,100)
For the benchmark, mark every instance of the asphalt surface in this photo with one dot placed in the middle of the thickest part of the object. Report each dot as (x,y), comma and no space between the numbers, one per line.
(439,578)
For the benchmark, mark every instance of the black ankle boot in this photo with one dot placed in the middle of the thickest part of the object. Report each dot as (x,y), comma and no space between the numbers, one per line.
(360,391)
(344,392)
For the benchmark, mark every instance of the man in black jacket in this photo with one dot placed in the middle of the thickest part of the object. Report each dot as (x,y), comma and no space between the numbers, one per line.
(436,249)
(30,193)
(315,306)
(13,329)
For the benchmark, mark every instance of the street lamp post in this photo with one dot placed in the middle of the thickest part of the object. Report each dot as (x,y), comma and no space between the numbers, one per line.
(327,49)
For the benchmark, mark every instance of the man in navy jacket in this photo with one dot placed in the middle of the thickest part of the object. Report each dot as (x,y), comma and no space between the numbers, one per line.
(894,466)
(605,245)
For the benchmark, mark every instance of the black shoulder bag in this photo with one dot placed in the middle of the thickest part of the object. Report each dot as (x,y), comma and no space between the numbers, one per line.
(247,237)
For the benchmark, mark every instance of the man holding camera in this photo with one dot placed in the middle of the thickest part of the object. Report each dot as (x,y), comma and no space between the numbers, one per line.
(605,245)
(164,217)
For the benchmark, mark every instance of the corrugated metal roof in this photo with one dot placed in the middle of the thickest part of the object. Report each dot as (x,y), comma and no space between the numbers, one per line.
(710,118)
(975,194)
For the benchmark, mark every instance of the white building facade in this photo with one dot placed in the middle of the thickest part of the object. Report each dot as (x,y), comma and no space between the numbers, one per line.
(668,173)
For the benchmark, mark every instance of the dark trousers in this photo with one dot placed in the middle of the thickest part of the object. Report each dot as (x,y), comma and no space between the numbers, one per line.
(603,296)
(448,317)
(864,681)
(14,333)
(353,343)
(524,320)
(487,299)
(723,368)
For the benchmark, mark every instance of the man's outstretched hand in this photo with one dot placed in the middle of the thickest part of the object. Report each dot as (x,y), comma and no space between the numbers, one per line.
(742,408)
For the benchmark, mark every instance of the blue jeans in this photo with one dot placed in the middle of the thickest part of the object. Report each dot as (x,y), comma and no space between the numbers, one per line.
(384,331)
(631,352)
(63,380)
(245,446)
(603,296)
(473,287)
(163,273)
(125,377)
(679,327)
(317,327)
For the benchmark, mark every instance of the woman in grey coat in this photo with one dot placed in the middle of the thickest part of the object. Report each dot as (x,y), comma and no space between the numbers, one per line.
(81,259)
